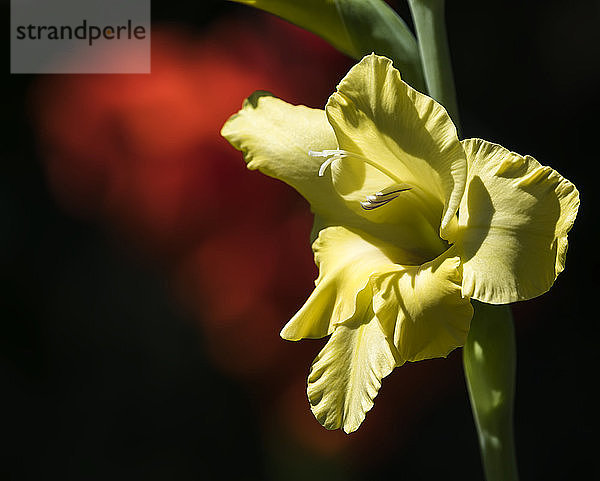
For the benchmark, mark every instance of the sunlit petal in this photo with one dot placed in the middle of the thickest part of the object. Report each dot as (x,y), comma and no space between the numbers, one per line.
(407,136)
(346,261)
(513,224)
(346,375)
(276,138)
(421,308)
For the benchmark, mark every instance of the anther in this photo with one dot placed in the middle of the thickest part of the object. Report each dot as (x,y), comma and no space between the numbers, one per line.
(384,196)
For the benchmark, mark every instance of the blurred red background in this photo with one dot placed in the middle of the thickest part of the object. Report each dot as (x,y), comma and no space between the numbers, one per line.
(142,156)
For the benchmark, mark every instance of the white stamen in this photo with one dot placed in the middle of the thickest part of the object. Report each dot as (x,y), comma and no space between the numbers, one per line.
(372,201)
(330,156)
(326,164)
(324,153)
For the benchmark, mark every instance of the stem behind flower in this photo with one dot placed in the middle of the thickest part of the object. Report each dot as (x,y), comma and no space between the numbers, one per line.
(489,355)
(430,24)
(489,358)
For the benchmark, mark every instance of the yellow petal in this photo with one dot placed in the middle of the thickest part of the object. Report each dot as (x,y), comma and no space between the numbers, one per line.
(421,308)
(404,220)
(346,375)
(513,224)
(275,137)
(346,260)
(407,136)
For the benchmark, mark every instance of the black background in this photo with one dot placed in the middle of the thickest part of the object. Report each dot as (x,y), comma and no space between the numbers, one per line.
(105,379)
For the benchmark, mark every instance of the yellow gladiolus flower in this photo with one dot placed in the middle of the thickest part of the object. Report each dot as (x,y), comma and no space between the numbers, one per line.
(412,223)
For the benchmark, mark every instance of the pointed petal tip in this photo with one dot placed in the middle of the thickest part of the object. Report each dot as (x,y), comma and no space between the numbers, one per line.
(349,429)
(288,334)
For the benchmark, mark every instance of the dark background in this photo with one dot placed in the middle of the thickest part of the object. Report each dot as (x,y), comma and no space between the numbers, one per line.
(106,377)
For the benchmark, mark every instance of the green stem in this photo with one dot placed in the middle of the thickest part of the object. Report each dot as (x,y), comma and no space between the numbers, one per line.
(430,25)
(489,355)
(489,358)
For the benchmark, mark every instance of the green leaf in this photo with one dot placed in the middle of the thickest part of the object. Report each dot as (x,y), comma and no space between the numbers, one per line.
(356,28)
